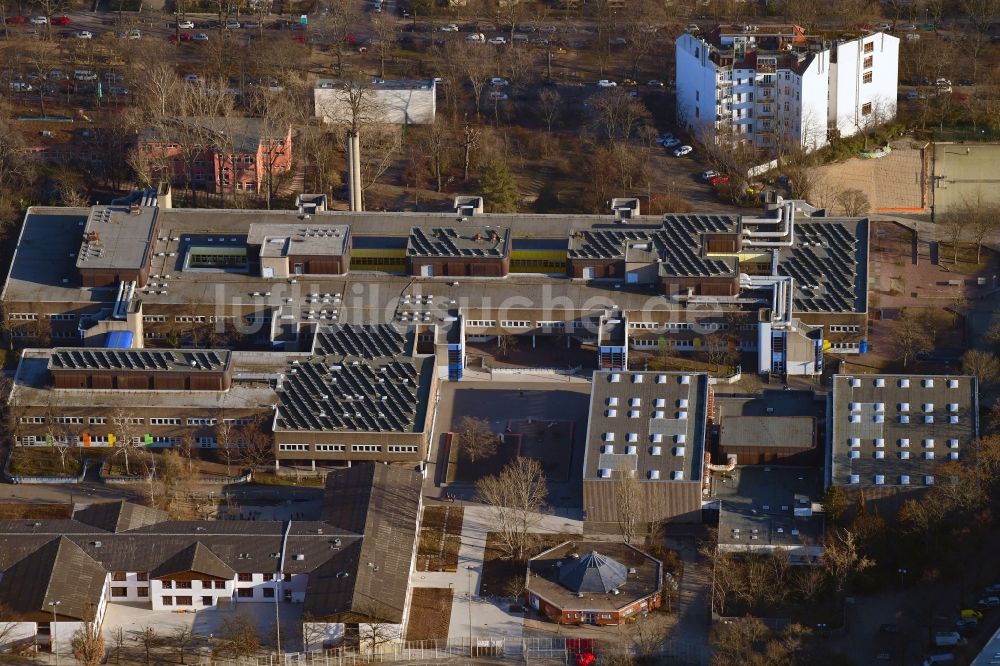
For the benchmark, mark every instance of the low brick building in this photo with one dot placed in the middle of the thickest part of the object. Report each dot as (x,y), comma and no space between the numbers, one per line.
(593,582)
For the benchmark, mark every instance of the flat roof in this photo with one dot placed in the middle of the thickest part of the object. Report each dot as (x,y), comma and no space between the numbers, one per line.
(304,238)
(253,376)
(768,431)
(465,241)
(758,505)
(643,575)
(140,360)
(829,262)
(116,237)
(895,430)
(649,423)
(381,84)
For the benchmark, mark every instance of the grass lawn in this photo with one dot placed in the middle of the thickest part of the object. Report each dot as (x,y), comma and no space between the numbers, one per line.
(430,613)
(272,479)
(440,537)
(504,577)
(138,464)
(44,461)
(19,510)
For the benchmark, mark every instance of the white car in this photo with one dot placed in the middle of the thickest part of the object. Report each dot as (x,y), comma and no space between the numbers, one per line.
(606,83)
(84,34)
(20,86)
(133,34)
(497,95)
(708,175)
(498,41)
(476,37)
(497,81)
(451,27)
(39,20)
(883,27)
(185,24)
(682,151)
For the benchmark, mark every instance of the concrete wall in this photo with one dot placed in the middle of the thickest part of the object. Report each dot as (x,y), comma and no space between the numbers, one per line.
(695,79)
(852,93)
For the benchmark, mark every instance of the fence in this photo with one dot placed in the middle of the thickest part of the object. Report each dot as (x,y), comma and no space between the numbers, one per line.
(523,651)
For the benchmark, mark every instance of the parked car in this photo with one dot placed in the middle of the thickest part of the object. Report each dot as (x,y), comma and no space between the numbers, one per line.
(883,27)
(682,151)
(84,75)
(940,658)
(451,27)
(970,614)
(606,83)
(20,86)
(548,28)
(57,75)
(192,78)
(721,179)
(915,95)
(232,24)
(200,37)
(16,20)
(498,41)
(671,142)
(654,83)
(708,175)
(497,81)
(497,95)
(118,90)
(113,77)
(60,20)
(39,20)
(947,639)
(692,27)
(185,24)
(183,37)
(251,24)
(133,34)
(992,588)
(476,37)
(989,602)
(913,37)
(84,34)
(906,27)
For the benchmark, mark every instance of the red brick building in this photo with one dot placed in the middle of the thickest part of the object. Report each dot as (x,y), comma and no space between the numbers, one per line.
(217,154)
(575,583)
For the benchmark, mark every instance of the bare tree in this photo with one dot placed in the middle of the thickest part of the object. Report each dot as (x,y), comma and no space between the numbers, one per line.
(125,425)
(256,445)
(88,644)
(225,436)
(954,224)
(335,26)
(911,336)
(842,559)
(506,344)
(374,630)
(628,504)
(10,621)
(854,203)
(515,497)
(476,440)
(181,639)
(550,102)
(276,111)
(384,34)
(238,636)
(983,365)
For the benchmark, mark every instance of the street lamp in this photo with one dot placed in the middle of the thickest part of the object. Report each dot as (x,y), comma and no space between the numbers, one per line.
(468,569)
(52,633)
(902,572)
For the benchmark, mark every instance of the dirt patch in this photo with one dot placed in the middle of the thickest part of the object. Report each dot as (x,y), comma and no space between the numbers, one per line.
(548,442)
(430,613)
(503,576)
(440,538)
(463,470)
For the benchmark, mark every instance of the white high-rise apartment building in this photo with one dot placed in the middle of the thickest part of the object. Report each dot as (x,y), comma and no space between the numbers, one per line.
(772,83)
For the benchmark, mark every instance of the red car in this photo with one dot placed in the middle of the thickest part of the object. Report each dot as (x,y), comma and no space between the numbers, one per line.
(719,180)
(17,20)
(185,37)
(60,20)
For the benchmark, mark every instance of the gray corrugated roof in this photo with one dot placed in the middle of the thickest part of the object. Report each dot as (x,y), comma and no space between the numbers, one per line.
(592,573)
(58,571)
(120,516)
(195,558)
